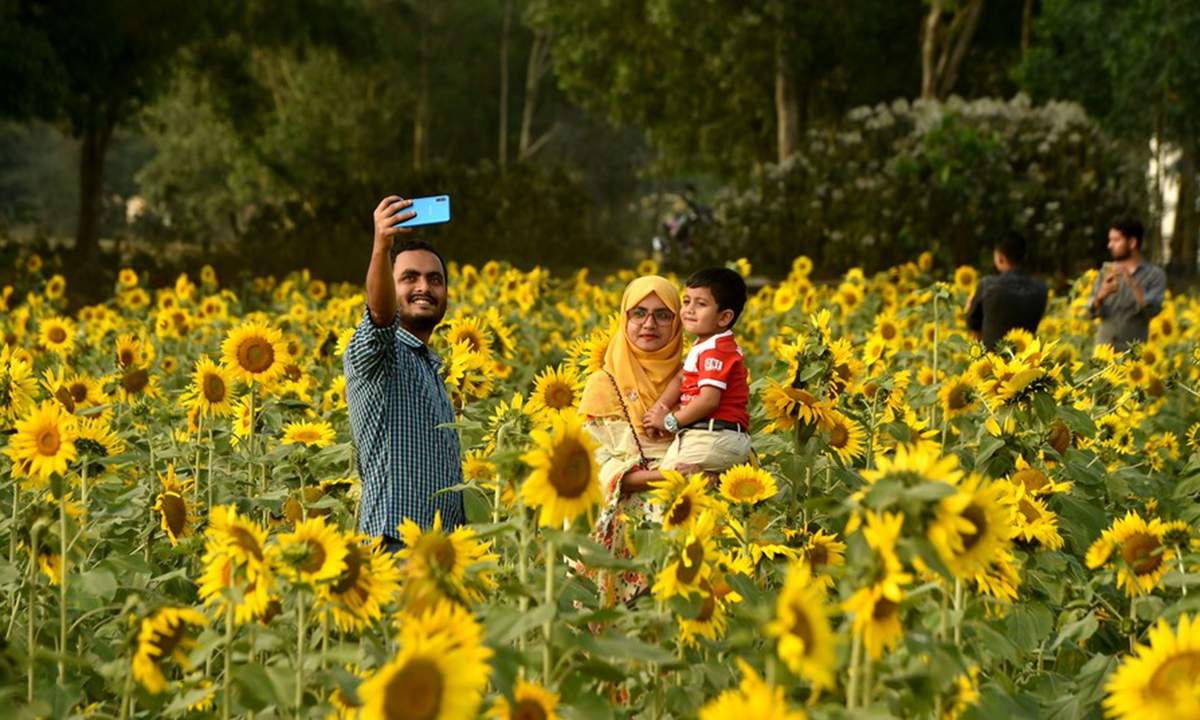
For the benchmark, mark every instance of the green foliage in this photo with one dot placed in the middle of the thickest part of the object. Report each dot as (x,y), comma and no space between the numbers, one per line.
(898,180)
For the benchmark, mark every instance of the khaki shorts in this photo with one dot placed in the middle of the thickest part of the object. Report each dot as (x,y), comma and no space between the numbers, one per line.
(713,450)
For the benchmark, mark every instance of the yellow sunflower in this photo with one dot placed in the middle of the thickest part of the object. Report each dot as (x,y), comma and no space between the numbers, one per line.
(211,390)
(136,384)
(369,581)
(564,481)
(254,352)
(845,437)
(682,499)
(916,464)
(753,698)
(709,623)
(43,444)
(95,438)
(164,635)
(876,610)
(786,405)
(428,678)
(1142,557)
(1162,680)
(127,278)
(1036,523)
(821,551)
(530,702)
(472,330)
(17,386)
(133,351)
(314,553)
(692,562)
(313,434)
(335,395)
(965,278)
(972,527)
(57,334)
(958,397)
(457,566)
(747,485)
(557,391)
(801,626)
(173,507)
(235,558)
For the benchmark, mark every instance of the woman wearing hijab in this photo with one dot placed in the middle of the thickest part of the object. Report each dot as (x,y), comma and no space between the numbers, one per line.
(639,364)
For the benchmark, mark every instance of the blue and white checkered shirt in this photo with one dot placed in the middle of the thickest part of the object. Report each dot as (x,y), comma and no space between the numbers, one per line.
(397,400)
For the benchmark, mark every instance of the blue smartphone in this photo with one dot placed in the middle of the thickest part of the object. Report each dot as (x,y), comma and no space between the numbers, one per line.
(430,211)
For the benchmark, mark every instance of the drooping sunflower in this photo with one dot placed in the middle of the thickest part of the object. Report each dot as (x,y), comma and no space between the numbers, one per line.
(709,623)
(821,551)
(1141,556)
(235,556)
(44,443)
(164,635)
(242,539)
(1036,482)
(747,485)
(531,701)
(682,499)
(313,554)
(369,581)
(753,698)
(844,436)
(692,562)
(173,507)
(801,626)
(313,434)
(335,395)
(564,481)
(972,527)
(457,566)
(211,390)
(557,390)
(1036,523)
(1161,681)
(428,678)
(95,439)
(254,352)
(876,610)
(57,334)
(76,391)
(958,397)
(137,384)
(17,386)
(788,405)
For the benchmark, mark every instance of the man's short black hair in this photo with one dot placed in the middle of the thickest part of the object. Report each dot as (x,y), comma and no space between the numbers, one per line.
(409,245)
(1012,245)
(1130,227)
(727,287)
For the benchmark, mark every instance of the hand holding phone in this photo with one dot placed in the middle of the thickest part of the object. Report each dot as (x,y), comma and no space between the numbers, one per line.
(430,211)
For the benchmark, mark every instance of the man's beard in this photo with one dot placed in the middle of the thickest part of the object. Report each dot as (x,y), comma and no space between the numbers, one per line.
(1122,256)
(424,322)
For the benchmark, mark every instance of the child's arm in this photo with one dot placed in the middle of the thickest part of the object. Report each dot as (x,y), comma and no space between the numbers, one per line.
(702,407)
(668,400)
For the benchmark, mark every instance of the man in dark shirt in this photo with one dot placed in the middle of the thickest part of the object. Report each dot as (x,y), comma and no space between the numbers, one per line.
(1009,300)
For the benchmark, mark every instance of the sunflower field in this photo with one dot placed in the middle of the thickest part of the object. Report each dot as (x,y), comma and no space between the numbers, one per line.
(930,530)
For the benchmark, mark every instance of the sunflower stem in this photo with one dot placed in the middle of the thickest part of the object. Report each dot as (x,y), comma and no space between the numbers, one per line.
(300,632)
(868,681)
(496,500)
(856,651)
(31,634)
(1133,625)
(548,626)
(1182,569)
(933,409)
(958,606)
(229,627)
(12,536)
(62,584)
(209,485)
(127,693)
(83,482)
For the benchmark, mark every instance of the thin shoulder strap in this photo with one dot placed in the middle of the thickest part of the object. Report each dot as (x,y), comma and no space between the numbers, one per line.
(625,409)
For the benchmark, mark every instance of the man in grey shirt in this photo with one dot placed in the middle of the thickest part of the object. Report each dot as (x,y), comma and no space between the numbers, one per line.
(1009,300)
(1129,290)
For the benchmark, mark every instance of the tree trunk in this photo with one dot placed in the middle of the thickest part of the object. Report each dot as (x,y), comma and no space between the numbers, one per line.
(929,50)
(1183,255)
(1026,27)
(421,110)
(93,152)
(539,63)
(966,33)
(504,40)
(787,107)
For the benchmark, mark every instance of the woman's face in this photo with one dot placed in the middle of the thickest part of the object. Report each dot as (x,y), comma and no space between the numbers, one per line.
(648,324)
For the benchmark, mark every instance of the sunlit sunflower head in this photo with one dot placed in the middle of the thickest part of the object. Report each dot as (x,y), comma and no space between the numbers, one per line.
(369,581)
(57,334)
(436,564)
(164,636)
(563,482)
(1135,549)
(786,405)
(1161,679)
(821,552)
(127,278)
(314,553)
(428,678)
(802,630)
(137,384)
(877,616)
(531,701)
(226,584)
(1035,481)
(317,434)
(710,621)
(44,443)
(692,561)
(173,507)
(212,389)
(844,436)
(965,278)
(913,465)
(682,499)
(972,526)
(1036,523)
(747,485)
(255,352)
(95,438)
(557,390)
(470,329)
(243,540)
(133,351)
(17,385)
(753,698)
(958,397)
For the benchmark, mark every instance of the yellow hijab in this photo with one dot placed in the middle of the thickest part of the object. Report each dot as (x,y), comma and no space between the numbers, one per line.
(642,376)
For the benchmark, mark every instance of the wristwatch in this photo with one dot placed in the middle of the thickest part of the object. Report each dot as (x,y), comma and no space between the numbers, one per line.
(671,423)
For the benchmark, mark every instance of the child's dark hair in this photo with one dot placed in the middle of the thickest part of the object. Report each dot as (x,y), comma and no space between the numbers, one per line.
(727,287)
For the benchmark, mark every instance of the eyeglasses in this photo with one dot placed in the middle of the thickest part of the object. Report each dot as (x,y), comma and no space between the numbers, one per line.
(662,316)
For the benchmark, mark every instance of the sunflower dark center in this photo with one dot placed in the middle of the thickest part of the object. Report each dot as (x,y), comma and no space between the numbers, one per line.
(125,357)
(839,436)
(164,645)
(559,396)
(349,577)
(977,517)
(1032,479)
(957,399)
(1028,510)
(571,470)
(1176,675)
(214,388)
(887,331)
(1140,553)
(681,511)
(690,561)
(244,539)
(63,395)
(414,692)
(255,355)
(48,441)
(817,555)
(802,627)
(79,391)
(56,335)
(174,511)
(709,606)
(314,560)
(135,380)
(528,710)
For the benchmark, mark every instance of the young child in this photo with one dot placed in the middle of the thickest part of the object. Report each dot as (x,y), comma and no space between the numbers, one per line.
(712,421)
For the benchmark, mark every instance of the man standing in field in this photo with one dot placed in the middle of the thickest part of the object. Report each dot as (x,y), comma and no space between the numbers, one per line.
(397,401)
(1009,300)
(1129,290)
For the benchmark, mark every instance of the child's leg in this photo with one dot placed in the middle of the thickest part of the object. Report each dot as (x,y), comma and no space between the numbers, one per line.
(716,451)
